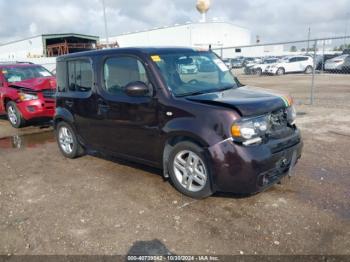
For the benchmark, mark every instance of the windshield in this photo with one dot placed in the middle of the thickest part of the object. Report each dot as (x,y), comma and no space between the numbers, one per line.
(16,74)
(194,73)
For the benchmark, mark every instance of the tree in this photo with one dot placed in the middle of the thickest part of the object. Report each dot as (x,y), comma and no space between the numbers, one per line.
(293,48)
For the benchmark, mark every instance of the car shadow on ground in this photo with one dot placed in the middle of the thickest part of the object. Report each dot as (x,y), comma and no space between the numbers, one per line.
(33,123)
(158,172)
(149,248)
(124,162)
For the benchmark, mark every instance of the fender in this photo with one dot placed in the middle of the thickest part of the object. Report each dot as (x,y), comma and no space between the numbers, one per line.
(3,98)
(62,114)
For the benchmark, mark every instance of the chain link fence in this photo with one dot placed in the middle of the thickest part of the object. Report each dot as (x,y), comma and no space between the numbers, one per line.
(313,71)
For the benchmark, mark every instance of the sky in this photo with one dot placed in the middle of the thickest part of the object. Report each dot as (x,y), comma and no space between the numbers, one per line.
(272,20)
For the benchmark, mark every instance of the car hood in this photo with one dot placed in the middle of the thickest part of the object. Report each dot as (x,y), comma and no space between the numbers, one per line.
(35,84)
(247,100)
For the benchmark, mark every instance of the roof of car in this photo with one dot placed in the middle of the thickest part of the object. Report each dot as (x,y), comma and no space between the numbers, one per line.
(131,50)
(16,64)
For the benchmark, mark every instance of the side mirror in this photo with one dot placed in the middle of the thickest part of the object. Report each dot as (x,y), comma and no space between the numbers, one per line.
(137,88)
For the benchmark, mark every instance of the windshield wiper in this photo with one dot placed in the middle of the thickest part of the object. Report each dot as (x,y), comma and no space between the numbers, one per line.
(226,88)
(206,91)
(196,93)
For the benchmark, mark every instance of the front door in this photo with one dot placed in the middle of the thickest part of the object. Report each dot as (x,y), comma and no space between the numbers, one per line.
(129,125)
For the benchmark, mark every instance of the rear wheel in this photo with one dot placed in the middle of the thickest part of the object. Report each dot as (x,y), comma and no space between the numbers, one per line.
(280,71)
(189,170)
(308,70)
(14,115)
(67,141)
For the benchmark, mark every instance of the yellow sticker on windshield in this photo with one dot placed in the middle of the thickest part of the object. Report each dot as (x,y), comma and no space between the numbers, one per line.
(156,58)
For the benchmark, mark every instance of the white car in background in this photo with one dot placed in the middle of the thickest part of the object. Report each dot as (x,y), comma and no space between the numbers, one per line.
(259,69)
(292,64)
(339,63)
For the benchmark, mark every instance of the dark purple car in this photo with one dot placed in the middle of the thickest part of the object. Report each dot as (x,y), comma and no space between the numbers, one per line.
(206,130)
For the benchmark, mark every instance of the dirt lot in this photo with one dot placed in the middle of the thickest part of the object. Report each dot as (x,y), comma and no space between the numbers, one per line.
(94,205)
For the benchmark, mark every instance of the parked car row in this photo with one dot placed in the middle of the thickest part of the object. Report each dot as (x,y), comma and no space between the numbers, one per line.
(291,64)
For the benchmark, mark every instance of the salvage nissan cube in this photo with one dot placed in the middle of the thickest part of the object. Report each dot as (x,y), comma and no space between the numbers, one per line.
(202,127)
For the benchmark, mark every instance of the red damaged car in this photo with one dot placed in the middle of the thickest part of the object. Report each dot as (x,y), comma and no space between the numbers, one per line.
(27,92)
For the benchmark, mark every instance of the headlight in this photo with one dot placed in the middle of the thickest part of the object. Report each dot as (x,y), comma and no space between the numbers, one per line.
(291,115)
(27,97)
(250,129)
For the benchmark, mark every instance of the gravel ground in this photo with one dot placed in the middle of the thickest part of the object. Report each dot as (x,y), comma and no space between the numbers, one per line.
(99,205)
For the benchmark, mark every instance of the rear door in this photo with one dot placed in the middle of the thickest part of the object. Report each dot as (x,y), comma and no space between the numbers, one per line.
(79,94)
(303,63)
(293,65)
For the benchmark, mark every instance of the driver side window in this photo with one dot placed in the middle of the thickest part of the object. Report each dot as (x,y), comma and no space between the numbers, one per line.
(120,71)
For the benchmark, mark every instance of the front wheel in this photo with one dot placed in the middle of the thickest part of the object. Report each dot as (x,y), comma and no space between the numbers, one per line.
(258,71)
(14,115)
(67,141)
(280,71)
(189,170)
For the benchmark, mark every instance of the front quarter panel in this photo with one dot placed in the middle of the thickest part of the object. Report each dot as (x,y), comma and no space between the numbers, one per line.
(206,124)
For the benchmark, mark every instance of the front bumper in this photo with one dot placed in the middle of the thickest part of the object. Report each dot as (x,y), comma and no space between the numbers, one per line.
(251,169)
(37,108)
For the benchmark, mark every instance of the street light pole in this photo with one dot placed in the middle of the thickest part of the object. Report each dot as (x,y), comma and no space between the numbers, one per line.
(308,41)
(105,21)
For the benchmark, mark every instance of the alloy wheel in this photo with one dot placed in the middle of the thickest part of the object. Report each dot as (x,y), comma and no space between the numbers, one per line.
(12,115)
(66,140)
(190,170)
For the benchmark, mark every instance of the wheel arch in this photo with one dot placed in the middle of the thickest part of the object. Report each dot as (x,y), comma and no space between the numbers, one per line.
(63,115)
(6,100)
(174,139)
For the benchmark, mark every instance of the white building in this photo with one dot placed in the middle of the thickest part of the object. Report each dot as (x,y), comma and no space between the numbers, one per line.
(216,33)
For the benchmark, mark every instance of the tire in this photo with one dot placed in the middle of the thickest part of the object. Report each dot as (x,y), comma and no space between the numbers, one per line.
(14,115)
(67,141)
(258,71)
(280,71)
(308,70)
(181,166)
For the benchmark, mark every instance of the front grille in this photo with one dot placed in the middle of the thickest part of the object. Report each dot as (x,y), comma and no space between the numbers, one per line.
(49,93)
(279,127)
(278,119)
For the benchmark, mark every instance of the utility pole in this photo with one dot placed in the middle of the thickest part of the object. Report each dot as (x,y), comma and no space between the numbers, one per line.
(105,21)
(347,18)
(308,40)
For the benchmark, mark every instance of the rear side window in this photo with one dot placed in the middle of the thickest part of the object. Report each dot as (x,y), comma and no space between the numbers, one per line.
(303,58)
(61,75)
(79,76)
(120,71)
